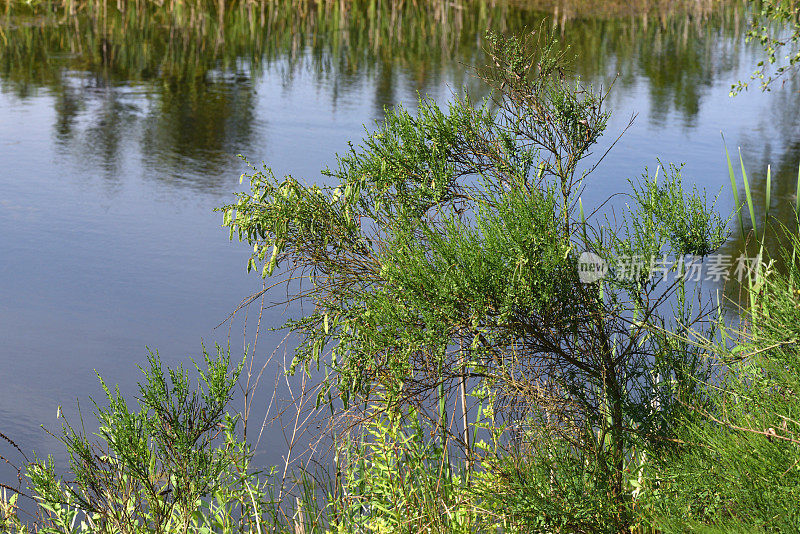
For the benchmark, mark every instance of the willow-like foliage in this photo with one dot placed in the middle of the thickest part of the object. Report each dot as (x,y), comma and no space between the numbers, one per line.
(444,254)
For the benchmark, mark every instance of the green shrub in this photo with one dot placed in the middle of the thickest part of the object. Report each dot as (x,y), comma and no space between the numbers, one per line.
(443,255)
(170,464)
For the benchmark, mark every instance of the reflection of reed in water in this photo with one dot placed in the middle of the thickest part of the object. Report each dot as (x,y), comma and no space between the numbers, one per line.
(141,39)
(564,10)
(200,65)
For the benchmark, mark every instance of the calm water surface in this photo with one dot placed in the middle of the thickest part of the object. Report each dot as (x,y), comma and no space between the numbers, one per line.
(114,151)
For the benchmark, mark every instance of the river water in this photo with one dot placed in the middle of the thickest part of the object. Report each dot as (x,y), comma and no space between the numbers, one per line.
(118,138)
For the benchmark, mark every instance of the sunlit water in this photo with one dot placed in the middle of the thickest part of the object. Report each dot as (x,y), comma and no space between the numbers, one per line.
(109,175)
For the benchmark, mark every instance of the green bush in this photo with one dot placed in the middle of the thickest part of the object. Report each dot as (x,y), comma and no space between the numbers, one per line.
(443,256)
(170,464)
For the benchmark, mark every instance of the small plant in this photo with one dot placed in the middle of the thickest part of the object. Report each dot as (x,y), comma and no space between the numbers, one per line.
(9,495)
(398,479)
(166,465)
(9,513)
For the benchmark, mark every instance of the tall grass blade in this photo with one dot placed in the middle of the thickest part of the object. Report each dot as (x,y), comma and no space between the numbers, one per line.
(797,220)
(797,197)
(748,196)
(583,222)
(768,196)
(720,322)
(735,190)
(755,281)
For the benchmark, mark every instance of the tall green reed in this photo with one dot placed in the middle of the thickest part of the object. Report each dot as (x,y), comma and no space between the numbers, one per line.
(758,231)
